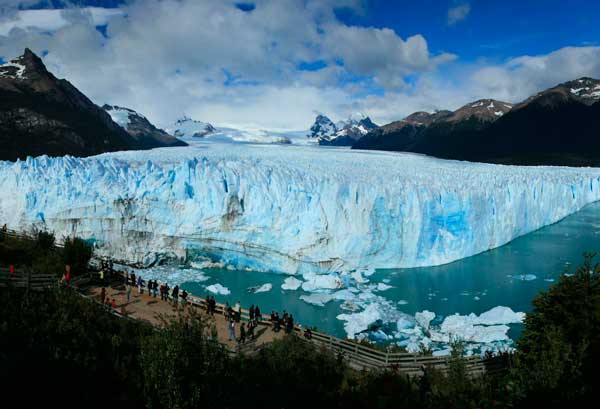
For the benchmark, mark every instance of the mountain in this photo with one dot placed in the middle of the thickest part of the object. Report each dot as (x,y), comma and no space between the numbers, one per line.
(140,128)
(40,114)
(189,128)
(558,126)
(344,133)
(193,130)
(322,127)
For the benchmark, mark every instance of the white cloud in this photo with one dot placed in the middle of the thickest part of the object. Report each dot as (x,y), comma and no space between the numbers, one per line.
(458,13)
(214,62)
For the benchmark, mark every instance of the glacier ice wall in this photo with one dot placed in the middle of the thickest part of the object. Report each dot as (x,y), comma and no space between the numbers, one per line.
(288,209)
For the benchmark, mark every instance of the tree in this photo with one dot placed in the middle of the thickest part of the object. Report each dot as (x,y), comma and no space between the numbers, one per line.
(560,345)
(77,253)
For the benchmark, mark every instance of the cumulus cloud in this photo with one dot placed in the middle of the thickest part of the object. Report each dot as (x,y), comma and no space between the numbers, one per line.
(458,13)
(214,62)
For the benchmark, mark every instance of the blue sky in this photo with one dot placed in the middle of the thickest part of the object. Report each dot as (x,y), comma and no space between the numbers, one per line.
(276,63)
(495,30)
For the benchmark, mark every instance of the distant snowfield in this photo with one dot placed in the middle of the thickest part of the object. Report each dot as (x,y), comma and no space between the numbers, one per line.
(290,209)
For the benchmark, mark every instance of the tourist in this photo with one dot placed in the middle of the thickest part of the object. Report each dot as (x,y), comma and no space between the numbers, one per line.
(251,326)
(257,314)
(208,303)
(242,333)
(251,312)
(276,323)
(113,304)
(290,324)
(133,280)
(155,288)
(107,302)
(102,295)
(212,305)
(228,311)
(238,311)
(184,296)
(167,289)
(175,294)
(272,317)
(140,285)
(231,329)
(307,333)
(128,292)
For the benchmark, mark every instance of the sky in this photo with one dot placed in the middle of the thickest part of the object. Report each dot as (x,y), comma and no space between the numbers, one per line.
(275,64)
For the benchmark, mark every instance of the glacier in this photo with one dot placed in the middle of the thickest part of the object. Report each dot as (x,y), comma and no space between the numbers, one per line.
(290,209)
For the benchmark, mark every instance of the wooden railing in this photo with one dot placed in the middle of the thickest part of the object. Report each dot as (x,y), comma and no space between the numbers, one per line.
(358,356)
(27,279)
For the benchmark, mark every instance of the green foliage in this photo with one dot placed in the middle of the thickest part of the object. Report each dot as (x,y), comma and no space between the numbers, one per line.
(77,253)
(58,341)
(560,345)
(182,366)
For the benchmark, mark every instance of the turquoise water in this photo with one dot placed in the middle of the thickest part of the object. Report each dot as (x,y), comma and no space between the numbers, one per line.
(475,284)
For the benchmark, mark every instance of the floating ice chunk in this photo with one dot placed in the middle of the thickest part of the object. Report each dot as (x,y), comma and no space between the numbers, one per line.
(344,295)
(218,289)
(349,306)
(404,323)
(500,315)
(358,277)
(424,318)
(360,321)
(523,277)
(291,283)
(383,287)
(476,298)
(549,280)
(321,282)
(318,299)
(261,288)
(402,302)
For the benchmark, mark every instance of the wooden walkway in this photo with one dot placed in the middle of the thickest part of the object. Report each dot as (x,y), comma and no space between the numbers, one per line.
(358,356)
(151,309)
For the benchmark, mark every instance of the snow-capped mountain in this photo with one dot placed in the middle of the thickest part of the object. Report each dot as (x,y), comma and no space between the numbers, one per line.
(190,129)
(343,133)
(138,126)
(322,127)
(558,126)
(41,114)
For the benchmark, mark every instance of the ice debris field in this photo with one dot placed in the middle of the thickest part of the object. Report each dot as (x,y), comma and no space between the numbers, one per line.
(318,214)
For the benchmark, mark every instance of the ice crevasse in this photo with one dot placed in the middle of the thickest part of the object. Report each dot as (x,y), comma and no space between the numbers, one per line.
(288,209)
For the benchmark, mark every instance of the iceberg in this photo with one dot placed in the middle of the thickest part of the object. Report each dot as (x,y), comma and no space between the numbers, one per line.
(218,289)
(260,288)
(290,209)
(291,283)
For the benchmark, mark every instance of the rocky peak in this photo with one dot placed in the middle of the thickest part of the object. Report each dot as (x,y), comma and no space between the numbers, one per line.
(585,88)
(323,126)
(483,109)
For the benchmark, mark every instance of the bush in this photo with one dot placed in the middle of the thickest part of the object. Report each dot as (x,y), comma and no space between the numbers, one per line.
(560,345)
(77,253)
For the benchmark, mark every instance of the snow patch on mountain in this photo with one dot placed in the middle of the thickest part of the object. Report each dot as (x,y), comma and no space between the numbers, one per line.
(189,129)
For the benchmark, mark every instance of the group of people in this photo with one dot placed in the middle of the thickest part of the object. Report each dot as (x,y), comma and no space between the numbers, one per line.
(130,280)
(286,321)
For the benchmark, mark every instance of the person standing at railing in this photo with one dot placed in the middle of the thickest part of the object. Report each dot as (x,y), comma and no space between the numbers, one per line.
(251,312)
(128,292)
(231,329)
(257,314)
(238,311)
(175,294)
(243,333)
(184,296)
(289,325)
